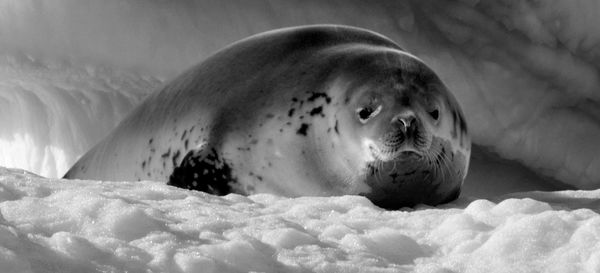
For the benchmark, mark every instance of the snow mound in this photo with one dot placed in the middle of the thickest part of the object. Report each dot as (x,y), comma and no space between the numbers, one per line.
(51,225)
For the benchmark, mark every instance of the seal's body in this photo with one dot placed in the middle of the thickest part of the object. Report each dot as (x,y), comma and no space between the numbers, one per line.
(316,110)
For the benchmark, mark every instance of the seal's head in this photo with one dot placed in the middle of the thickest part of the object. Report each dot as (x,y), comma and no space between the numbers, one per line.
(414,146)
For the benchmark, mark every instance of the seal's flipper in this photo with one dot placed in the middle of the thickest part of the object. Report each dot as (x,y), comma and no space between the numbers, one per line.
(203,170)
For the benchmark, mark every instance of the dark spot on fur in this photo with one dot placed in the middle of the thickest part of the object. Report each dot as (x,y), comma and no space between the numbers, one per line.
(459,124)
(336,127)
(183,135)
(208,173)
(150,141)
(167,154)
(291,112)
(317,111)
(144,164)
(269,115)
(302,130)
(185,144)
(316,95)
(176,158)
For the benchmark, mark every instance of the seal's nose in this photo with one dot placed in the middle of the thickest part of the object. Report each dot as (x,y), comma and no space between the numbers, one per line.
(405,120)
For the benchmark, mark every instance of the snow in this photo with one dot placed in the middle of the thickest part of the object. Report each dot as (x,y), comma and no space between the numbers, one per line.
(52,112)
(51,225)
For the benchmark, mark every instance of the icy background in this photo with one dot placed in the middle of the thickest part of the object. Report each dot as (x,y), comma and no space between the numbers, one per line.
(525,72)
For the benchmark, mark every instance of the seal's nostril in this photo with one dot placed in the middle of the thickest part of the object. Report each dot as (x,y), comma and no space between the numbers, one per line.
(407,121)
(404,121)
(403,126)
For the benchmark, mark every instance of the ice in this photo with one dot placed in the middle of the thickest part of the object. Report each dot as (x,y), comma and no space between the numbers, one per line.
(51,225)
(51,113)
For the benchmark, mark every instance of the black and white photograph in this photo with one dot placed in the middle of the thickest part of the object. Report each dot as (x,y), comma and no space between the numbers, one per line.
(179,136)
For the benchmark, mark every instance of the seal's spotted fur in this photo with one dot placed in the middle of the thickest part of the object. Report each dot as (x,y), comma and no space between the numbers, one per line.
(316,110)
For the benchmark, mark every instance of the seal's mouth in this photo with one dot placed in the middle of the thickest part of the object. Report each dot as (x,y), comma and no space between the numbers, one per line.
(401,152)
(397,145)
(409,155)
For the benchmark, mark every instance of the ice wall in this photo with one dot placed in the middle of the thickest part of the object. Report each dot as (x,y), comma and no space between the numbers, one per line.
(52,112)
(526,72)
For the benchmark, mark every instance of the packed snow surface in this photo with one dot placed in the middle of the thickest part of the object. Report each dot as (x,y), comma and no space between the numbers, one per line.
(51,225)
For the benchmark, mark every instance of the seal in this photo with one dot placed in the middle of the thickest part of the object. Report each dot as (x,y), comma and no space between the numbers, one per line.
(318,110)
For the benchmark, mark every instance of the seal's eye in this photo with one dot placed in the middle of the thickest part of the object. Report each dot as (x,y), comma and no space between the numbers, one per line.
(435,114)
(366,113)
